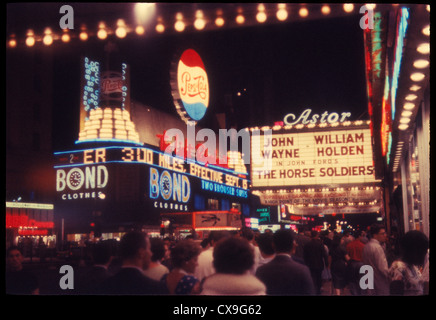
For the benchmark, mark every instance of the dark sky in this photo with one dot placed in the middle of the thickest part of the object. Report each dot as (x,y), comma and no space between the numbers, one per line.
(285,68)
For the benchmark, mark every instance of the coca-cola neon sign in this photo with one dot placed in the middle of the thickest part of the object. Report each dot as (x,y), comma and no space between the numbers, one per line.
(190,86)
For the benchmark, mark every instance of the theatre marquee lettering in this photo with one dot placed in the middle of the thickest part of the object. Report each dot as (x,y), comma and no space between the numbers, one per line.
(307,158)
(82,170)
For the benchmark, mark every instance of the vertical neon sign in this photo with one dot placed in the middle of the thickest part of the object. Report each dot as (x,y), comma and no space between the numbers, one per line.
(90,88)
(399,43)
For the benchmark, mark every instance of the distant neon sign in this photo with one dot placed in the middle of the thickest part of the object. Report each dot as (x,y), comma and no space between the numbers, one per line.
(401,34)
(91,85)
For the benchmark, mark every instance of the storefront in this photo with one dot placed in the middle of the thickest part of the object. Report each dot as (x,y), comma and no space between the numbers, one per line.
(397,52)
(30,226)
(133,168)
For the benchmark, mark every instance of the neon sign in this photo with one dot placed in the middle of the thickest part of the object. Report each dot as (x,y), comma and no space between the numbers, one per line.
(399,43)
(91,86)
(190,86)
(76,179)
(174,187)
(304,118)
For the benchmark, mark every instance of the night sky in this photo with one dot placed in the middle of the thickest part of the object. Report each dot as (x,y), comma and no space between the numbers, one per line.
(285,68)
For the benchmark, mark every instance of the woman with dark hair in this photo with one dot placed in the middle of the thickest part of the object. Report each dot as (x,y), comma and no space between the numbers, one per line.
(233,258)
(156,270)
(404,274)
(338,266)
(184,258)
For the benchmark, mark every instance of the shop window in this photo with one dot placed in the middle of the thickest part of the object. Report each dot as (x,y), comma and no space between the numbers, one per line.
(225,204)
(246,210)
(199,202)
(212,204)
(236,206)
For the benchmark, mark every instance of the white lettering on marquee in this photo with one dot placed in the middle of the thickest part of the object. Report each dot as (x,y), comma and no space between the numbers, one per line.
(304,118)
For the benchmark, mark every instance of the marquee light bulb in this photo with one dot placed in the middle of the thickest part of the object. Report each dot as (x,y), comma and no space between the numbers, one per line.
(325,10)
(30,40)
(12,43)
(240,19)
(417,76)
(140,30)
(261,17)
(219,22)
(65,36)
(348,7)
(102,34)
(199,22)
(424,48)
(420,64)
(282,13)
(160,28)
(48,38)
(179,26)
(83,36)
(303,12)
(121,30)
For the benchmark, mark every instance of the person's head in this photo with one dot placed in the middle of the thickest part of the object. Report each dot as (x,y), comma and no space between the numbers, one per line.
(14,258)
(336,240)
(102,253)
(314,234)
(378,232)
(157,249)
(205,244)
(135,249)
(184,255)
(215,236)
(413,246)
(360,235)
(283,240)
(247,233)
(233,255)
(265,243)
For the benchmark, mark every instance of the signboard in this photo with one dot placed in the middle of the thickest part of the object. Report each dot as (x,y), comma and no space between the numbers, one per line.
(190,86)
(81,182)
(219,219)
(336,156)
(165,180)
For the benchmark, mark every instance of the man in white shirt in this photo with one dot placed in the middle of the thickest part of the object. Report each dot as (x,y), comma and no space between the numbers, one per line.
(205,266)
(374,256)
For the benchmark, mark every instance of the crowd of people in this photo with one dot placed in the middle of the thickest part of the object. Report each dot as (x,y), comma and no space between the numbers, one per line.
(247,263)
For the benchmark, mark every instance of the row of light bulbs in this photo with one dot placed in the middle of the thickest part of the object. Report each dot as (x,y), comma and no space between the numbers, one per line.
(311,125)
(298,190)
(417,77)
(122,29)
(339,204)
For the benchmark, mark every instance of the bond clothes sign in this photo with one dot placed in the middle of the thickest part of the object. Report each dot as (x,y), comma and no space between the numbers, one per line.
(190,86)
(81,182)
(313,158)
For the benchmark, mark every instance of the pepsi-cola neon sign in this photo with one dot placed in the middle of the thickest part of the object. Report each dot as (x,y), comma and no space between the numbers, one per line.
(190,86)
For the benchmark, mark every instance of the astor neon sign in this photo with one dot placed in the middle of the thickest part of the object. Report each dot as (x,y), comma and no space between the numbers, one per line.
(305,118)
